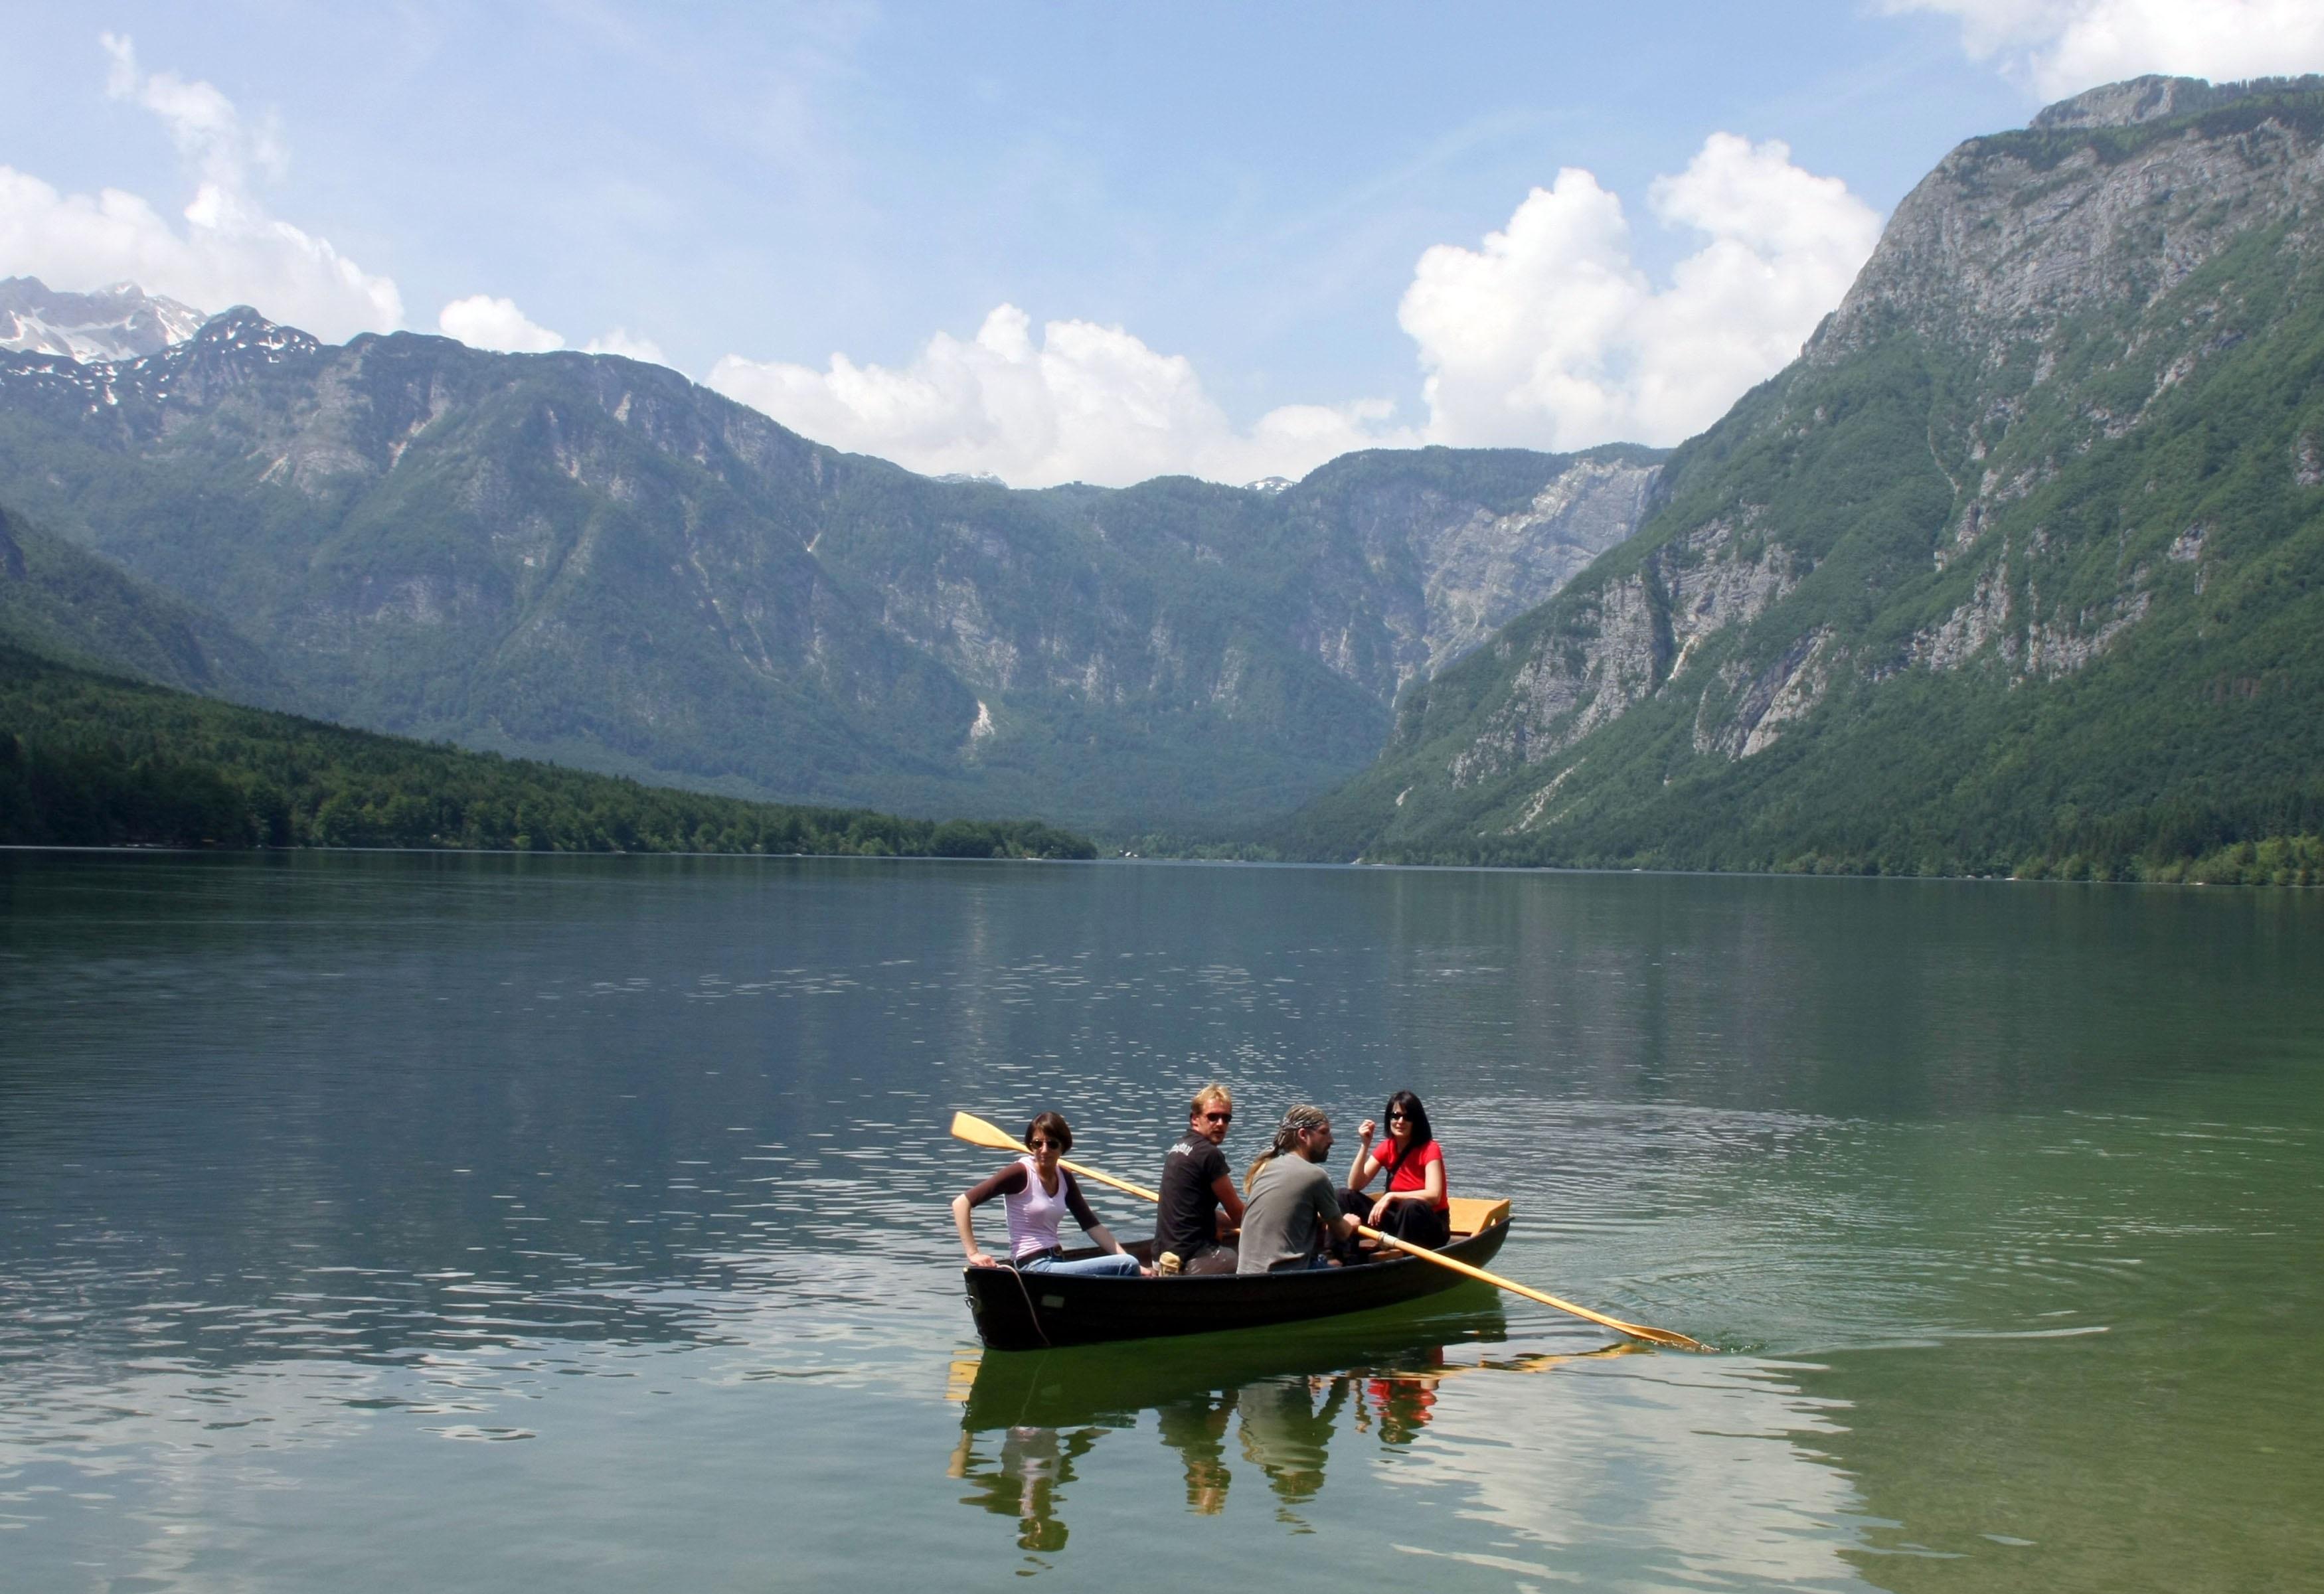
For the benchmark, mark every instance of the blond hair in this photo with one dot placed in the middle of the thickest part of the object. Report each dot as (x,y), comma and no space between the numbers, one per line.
(1209,1094)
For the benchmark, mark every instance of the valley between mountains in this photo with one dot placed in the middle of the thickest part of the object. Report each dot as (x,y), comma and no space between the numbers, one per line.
(2019,568)
(594,560)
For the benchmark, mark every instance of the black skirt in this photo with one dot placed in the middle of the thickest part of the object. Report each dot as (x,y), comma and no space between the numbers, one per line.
(1413,1221)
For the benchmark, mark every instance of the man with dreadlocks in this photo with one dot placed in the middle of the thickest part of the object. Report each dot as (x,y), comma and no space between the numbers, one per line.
(1294,1208)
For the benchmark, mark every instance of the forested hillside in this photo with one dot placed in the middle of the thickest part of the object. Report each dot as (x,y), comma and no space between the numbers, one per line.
(93,760)
(64,603)
(2019,569)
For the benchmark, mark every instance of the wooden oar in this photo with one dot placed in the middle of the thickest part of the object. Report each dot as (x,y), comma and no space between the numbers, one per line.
(1637,1331)
(976,1131)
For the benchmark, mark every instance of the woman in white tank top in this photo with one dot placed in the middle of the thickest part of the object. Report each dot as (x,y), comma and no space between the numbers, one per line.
(1038,1195)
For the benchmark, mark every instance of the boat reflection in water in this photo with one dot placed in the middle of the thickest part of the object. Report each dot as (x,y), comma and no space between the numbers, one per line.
(1269,1404)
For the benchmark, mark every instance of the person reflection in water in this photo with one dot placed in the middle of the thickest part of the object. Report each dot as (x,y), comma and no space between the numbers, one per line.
(1401,1404)
(1198,1430)
(1037,1194)
(1025,1479)
(1285,1435)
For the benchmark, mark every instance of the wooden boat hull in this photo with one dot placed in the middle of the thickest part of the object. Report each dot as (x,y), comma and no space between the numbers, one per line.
(1039,1311)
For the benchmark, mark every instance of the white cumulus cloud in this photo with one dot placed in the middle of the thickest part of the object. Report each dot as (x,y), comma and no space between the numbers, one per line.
(621,341)
(484,322)
(224,248)
(2061,47)
(1085,402)
(202,122)
(1551,335)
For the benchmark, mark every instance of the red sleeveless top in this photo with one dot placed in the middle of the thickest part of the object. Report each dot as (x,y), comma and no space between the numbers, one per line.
(1411,1172)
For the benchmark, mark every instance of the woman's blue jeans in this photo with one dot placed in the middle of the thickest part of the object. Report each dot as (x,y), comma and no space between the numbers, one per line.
(1085,1265)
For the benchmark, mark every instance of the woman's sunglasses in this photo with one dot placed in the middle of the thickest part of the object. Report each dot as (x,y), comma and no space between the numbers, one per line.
(1047,1145)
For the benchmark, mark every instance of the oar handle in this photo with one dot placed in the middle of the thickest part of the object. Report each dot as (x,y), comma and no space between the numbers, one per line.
(1121,1184)
(1635,1331)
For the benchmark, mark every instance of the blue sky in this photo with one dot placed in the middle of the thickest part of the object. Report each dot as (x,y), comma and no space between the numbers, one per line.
(1224,208)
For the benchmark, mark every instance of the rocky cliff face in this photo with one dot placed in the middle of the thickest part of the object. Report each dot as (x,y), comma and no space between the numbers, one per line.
(2072,401)
(2093,210)
(596,560)
(1484,571)
(1625,640)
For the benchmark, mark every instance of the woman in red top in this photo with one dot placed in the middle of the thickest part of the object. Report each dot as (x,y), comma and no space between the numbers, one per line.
(1416,1206)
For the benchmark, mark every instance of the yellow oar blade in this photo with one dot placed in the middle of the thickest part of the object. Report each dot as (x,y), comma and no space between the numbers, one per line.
(1634,1329)
(976,1131)
(968,1126)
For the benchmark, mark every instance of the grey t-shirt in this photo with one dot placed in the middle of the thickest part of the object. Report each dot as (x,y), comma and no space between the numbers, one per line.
(1292,1208)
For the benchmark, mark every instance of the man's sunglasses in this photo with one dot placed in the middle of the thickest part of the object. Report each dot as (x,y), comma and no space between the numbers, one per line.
(1218,1117)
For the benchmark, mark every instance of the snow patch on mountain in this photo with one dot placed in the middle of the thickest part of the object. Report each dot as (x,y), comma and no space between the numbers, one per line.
(117,323)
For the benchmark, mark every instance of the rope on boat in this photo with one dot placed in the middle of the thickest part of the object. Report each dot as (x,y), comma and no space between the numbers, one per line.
(1018,1276)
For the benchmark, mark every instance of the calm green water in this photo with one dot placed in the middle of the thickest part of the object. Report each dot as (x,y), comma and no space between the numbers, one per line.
(384,1222)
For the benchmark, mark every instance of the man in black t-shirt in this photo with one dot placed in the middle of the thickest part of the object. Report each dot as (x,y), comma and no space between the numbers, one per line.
(1200,1209)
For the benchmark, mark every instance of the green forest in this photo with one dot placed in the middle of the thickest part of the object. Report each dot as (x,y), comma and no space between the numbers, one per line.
(91,760)
(2186,748)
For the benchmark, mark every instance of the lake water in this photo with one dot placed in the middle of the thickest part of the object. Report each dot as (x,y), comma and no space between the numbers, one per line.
(380,1223)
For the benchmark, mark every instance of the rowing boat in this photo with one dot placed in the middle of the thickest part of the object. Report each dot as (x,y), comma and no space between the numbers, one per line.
(1038,1311)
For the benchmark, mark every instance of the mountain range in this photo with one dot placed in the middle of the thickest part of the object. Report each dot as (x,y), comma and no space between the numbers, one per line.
(587,558)
(2020,568)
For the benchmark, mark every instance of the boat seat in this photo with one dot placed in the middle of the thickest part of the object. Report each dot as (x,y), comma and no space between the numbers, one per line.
(1473,1214)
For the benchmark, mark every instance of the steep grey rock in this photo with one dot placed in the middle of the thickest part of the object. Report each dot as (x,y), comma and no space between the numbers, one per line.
(2005,244)
(2152,99)
(2013,235)
(1788,689)
(1620,648)
(1484,572)
(1717,575)
(1561,691)
(2065,429)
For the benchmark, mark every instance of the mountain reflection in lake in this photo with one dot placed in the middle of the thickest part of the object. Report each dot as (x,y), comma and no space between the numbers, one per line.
(379,1221)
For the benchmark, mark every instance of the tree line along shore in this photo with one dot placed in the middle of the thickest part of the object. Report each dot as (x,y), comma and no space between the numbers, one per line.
(89,759)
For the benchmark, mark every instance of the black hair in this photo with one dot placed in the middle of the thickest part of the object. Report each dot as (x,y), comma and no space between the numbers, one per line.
(1055,1126)
(1405,1103)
